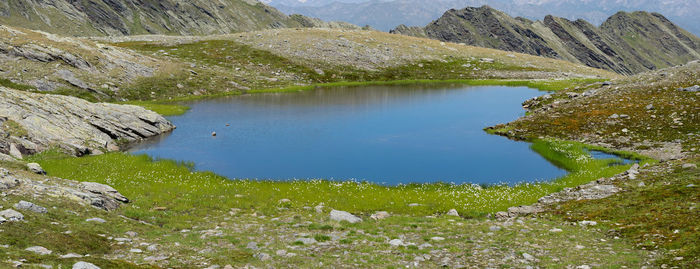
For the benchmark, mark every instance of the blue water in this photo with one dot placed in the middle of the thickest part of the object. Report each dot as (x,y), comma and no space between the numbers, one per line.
(599,155)
(383,134)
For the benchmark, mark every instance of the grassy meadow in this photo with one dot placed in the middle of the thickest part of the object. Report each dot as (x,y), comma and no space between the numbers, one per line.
(187,195)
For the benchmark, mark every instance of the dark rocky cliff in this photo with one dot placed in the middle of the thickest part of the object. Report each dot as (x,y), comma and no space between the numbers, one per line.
(626,43)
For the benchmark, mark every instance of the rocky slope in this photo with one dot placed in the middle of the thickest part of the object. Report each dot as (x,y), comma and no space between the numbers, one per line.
(654,113)
(627,43)
(128,17)
(32,122)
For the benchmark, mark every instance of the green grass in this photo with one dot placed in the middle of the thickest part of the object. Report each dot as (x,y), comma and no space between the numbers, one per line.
(190,195)
(659,214)
(162,108)
(9,84)
(13,128)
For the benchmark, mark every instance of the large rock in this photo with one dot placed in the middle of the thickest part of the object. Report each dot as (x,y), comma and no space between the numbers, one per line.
(36,168)
(7,181)
(337,215)
(104,190)
(74,124)
(11,215)
(24,205)
(84,265)
(39,250)
(95,194)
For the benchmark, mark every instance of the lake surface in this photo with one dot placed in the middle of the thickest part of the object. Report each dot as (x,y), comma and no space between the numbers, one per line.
(383,134)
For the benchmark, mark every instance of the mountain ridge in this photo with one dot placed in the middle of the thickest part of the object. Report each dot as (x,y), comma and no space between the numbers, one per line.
(419,12)
(627,43)
(131,17)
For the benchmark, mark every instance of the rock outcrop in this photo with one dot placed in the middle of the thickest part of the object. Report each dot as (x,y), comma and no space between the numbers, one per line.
(85,193)
(627,43)
(32,122)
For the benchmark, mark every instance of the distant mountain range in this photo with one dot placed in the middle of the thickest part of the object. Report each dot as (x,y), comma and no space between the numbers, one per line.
(130,17)
(387,14)
(626,43)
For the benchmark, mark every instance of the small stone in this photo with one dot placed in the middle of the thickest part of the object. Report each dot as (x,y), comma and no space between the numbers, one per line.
(84,265)
(263,256)
(555,230)
(70,256)
(689,166)
(155,258)
(380,215)
(131,234)
(453,212)
(614,116)
(36,168)
(529,257)
(396,243)
(650,107)
(252,245)
(425,245)
(284,201)
(583,267)
(495,228)
(39,250)
(413,204)
(580,247)
(281,252)
(152,248)
(307,241)
(437,238)
(588,223)
(98,220)
(136,250)
(24,205)
(337,215)
(11,215)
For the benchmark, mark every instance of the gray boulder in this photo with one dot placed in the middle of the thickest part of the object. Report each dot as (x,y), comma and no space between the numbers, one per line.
(84,265)
(39,250)
(103,189)
(11,215)
(36,168)
(694,88)
(24,205)
(380,215)
(337,215)
(453,212)
(98,220)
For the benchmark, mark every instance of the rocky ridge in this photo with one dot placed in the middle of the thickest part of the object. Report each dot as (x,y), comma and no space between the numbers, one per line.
(127,17)
(627,43)
(48,62)
(33,122)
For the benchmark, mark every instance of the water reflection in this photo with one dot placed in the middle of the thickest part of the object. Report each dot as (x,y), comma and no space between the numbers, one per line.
(384,134)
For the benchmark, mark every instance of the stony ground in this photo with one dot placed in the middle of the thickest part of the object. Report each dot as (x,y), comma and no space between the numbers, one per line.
(303,237)
(647,217)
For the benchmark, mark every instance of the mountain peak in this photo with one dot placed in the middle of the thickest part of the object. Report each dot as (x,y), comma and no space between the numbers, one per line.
(627,42)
